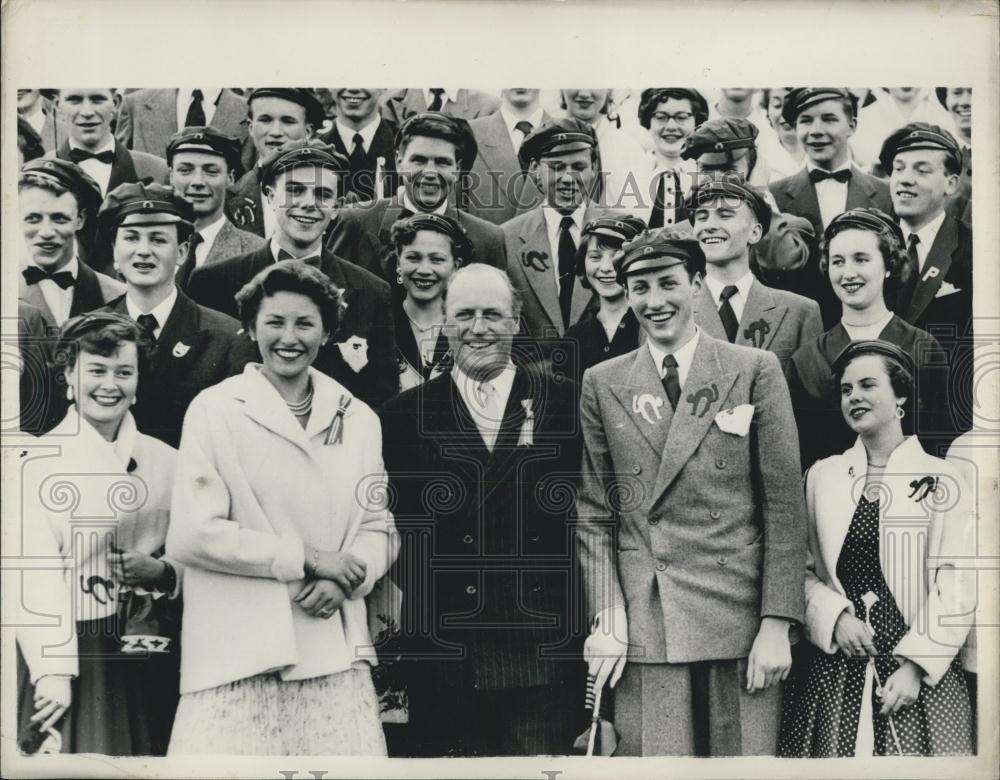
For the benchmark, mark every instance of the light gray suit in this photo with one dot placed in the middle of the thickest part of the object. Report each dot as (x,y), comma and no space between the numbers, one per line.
(398,105)
(230,241)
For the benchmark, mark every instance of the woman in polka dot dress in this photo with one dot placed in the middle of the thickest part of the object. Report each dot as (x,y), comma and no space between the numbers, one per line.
(887,596)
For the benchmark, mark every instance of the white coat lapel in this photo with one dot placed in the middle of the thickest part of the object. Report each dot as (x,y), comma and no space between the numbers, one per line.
(265,406)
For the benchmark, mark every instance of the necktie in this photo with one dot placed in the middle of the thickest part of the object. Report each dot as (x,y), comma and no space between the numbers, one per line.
(196,111)
(33,275)
(80,155)
(525,128)
(196,240)
(671,381)
(357,152)
(489,414)
(662,213)
(437,102)
(817,175)
(910,271)
(149,324)
(726,313)
(567,263)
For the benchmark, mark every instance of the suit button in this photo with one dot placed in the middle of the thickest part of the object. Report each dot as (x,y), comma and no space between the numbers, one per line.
(471,590)
(723,560)
(637,469)
(607,349)
(467,539)
(720,463)
(654,520)
(661,567)
(715,514)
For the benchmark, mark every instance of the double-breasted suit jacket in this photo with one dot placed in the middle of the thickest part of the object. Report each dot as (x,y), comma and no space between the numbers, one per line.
(532,270)
(486,567)
(362,232)
(230,241)
(398,105)
(197,348)
(500,190)
(775,320)
(692,519)
(367,315)
(361,182)
(148,118)
(797,195)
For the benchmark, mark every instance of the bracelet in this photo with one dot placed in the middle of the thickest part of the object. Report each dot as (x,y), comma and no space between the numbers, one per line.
(313,566)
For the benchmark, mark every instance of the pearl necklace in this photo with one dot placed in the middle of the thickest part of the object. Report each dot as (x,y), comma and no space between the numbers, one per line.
(303,407)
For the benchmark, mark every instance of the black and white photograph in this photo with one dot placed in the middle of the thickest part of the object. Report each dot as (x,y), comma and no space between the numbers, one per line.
(492,430)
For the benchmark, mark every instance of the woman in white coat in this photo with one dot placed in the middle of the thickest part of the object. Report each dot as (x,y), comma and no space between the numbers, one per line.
(284,529)
(888,591)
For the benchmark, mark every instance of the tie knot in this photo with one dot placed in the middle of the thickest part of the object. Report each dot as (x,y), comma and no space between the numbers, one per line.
(669,361)
(358,140)
(148,323)
(196,238)
(729,291)
(524,126)
(566,223)
(196,94)
(437,91)
(912,241)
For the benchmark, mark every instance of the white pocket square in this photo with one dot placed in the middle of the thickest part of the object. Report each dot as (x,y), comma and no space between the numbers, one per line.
(946,288)
(735,420)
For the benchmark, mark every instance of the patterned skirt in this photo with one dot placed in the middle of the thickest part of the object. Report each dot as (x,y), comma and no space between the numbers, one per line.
(335,715)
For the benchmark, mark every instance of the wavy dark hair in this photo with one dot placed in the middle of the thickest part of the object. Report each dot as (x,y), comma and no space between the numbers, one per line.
(293,276)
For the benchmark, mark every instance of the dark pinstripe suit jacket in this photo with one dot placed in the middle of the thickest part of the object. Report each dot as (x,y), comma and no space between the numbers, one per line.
(486,567)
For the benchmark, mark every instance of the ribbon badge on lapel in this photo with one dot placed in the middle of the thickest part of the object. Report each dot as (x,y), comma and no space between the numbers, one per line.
(642,404)
(180,349)
(526,438)
(707,394)
(536,261)
(757,332)
(923,486)
(244,213)
(336,432)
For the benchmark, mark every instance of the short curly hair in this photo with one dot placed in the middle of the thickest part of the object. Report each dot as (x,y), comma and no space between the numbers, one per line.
(893,253)
(899,377)
(100,333)
(293,276)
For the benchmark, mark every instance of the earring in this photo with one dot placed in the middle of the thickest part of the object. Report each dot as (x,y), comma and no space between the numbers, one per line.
(69,393)
(899,412)
(134,399)
(399,279)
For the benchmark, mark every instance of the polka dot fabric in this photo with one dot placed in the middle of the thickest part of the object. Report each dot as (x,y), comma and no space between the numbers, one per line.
(823,702)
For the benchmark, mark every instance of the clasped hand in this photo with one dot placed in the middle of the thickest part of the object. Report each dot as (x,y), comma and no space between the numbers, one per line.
(135,569)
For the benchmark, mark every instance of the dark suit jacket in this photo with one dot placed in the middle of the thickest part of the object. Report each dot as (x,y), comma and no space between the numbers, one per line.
(499,189)
(486,564)
(398,105)
(230,241)
(368,314)
(361,182)
(197,348)
(43,391)
(797,195)
(362,233)
(148,118)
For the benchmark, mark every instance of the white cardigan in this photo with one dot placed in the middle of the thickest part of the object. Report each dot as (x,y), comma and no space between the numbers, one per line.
(75,500)
(926,544)
(252,487)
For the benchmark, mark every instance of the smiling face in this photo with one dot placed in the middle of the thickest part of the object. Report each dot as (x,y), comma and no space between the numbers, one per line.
(585,104)
(566,179)
(201,179)
(429,167)
(425,265)
(824,130)
(600,270)
(104,387)
(358,105)
(89,113)
(148,255)
(304,200)
(775,101)
(920,185)
(726,228)
(670,124)
(958,101)
(856,269)
(867,399)
(49,223)
(479,322)
(288,331)
(275,121)
(663,301)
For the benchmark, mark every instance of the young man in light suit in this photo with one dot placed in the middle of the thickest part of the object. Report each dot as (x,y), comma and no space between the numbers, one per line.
(398,105)
(729,219)
(691,522)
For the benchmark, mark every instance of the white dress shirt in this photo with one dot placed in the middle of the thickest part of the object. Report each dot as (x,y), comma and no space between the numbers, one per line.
(510,119)
(98,171)
(209,97)
(867,332)
(831,194)
(553,219)
(276,248)
(737,301)
(486,400)
(683,356)
(367,133)
(926,234)
(408,204)
(161,311)
(208,235)
(58,300)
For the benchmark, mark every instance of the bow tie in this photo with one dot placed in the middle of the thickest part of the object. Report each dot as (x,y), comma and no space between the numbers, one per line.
(33,275)
(79,155)
(817,175)
(284,254)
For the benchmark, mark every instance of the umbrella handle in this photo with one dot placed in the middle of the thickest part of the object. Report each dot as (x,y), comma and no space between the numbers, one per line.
(595,719)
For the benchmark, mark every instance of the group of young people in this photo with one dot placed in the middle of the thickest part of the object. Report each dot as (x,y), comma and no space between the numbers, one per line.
(392,422)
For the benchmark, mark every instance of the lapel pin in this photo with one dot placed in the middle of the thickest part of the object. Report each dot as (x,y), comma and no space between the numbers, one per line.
(527,436)
(642,404)
(536,261)
(756,332)
(924,486)
(336,432)
(707,394)
(180,349)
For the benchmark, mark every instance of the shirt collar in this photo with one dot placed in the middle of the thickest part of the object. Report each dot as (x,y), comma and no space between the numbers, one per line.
(553,218)
(367,133)
(502,384)
(209,96)
(209,232)
(107,146)
(510,119)
(927,233)
(683,356)
(448,94)
(742,285)
(408,205)
(276,247)
(161,311)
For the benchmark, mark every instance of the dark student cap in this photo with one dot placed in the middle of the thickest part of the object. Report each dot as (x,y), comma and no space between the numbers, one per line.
(656,250)
(870,219)
(138,203)
(206,140)
(621,228)
(67,175)
(434,124)
(919,135)
(801,98)
(723,135)
(733,189)
(302,96)
(554,138)
(303,152)
(652,97)
(872,347)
